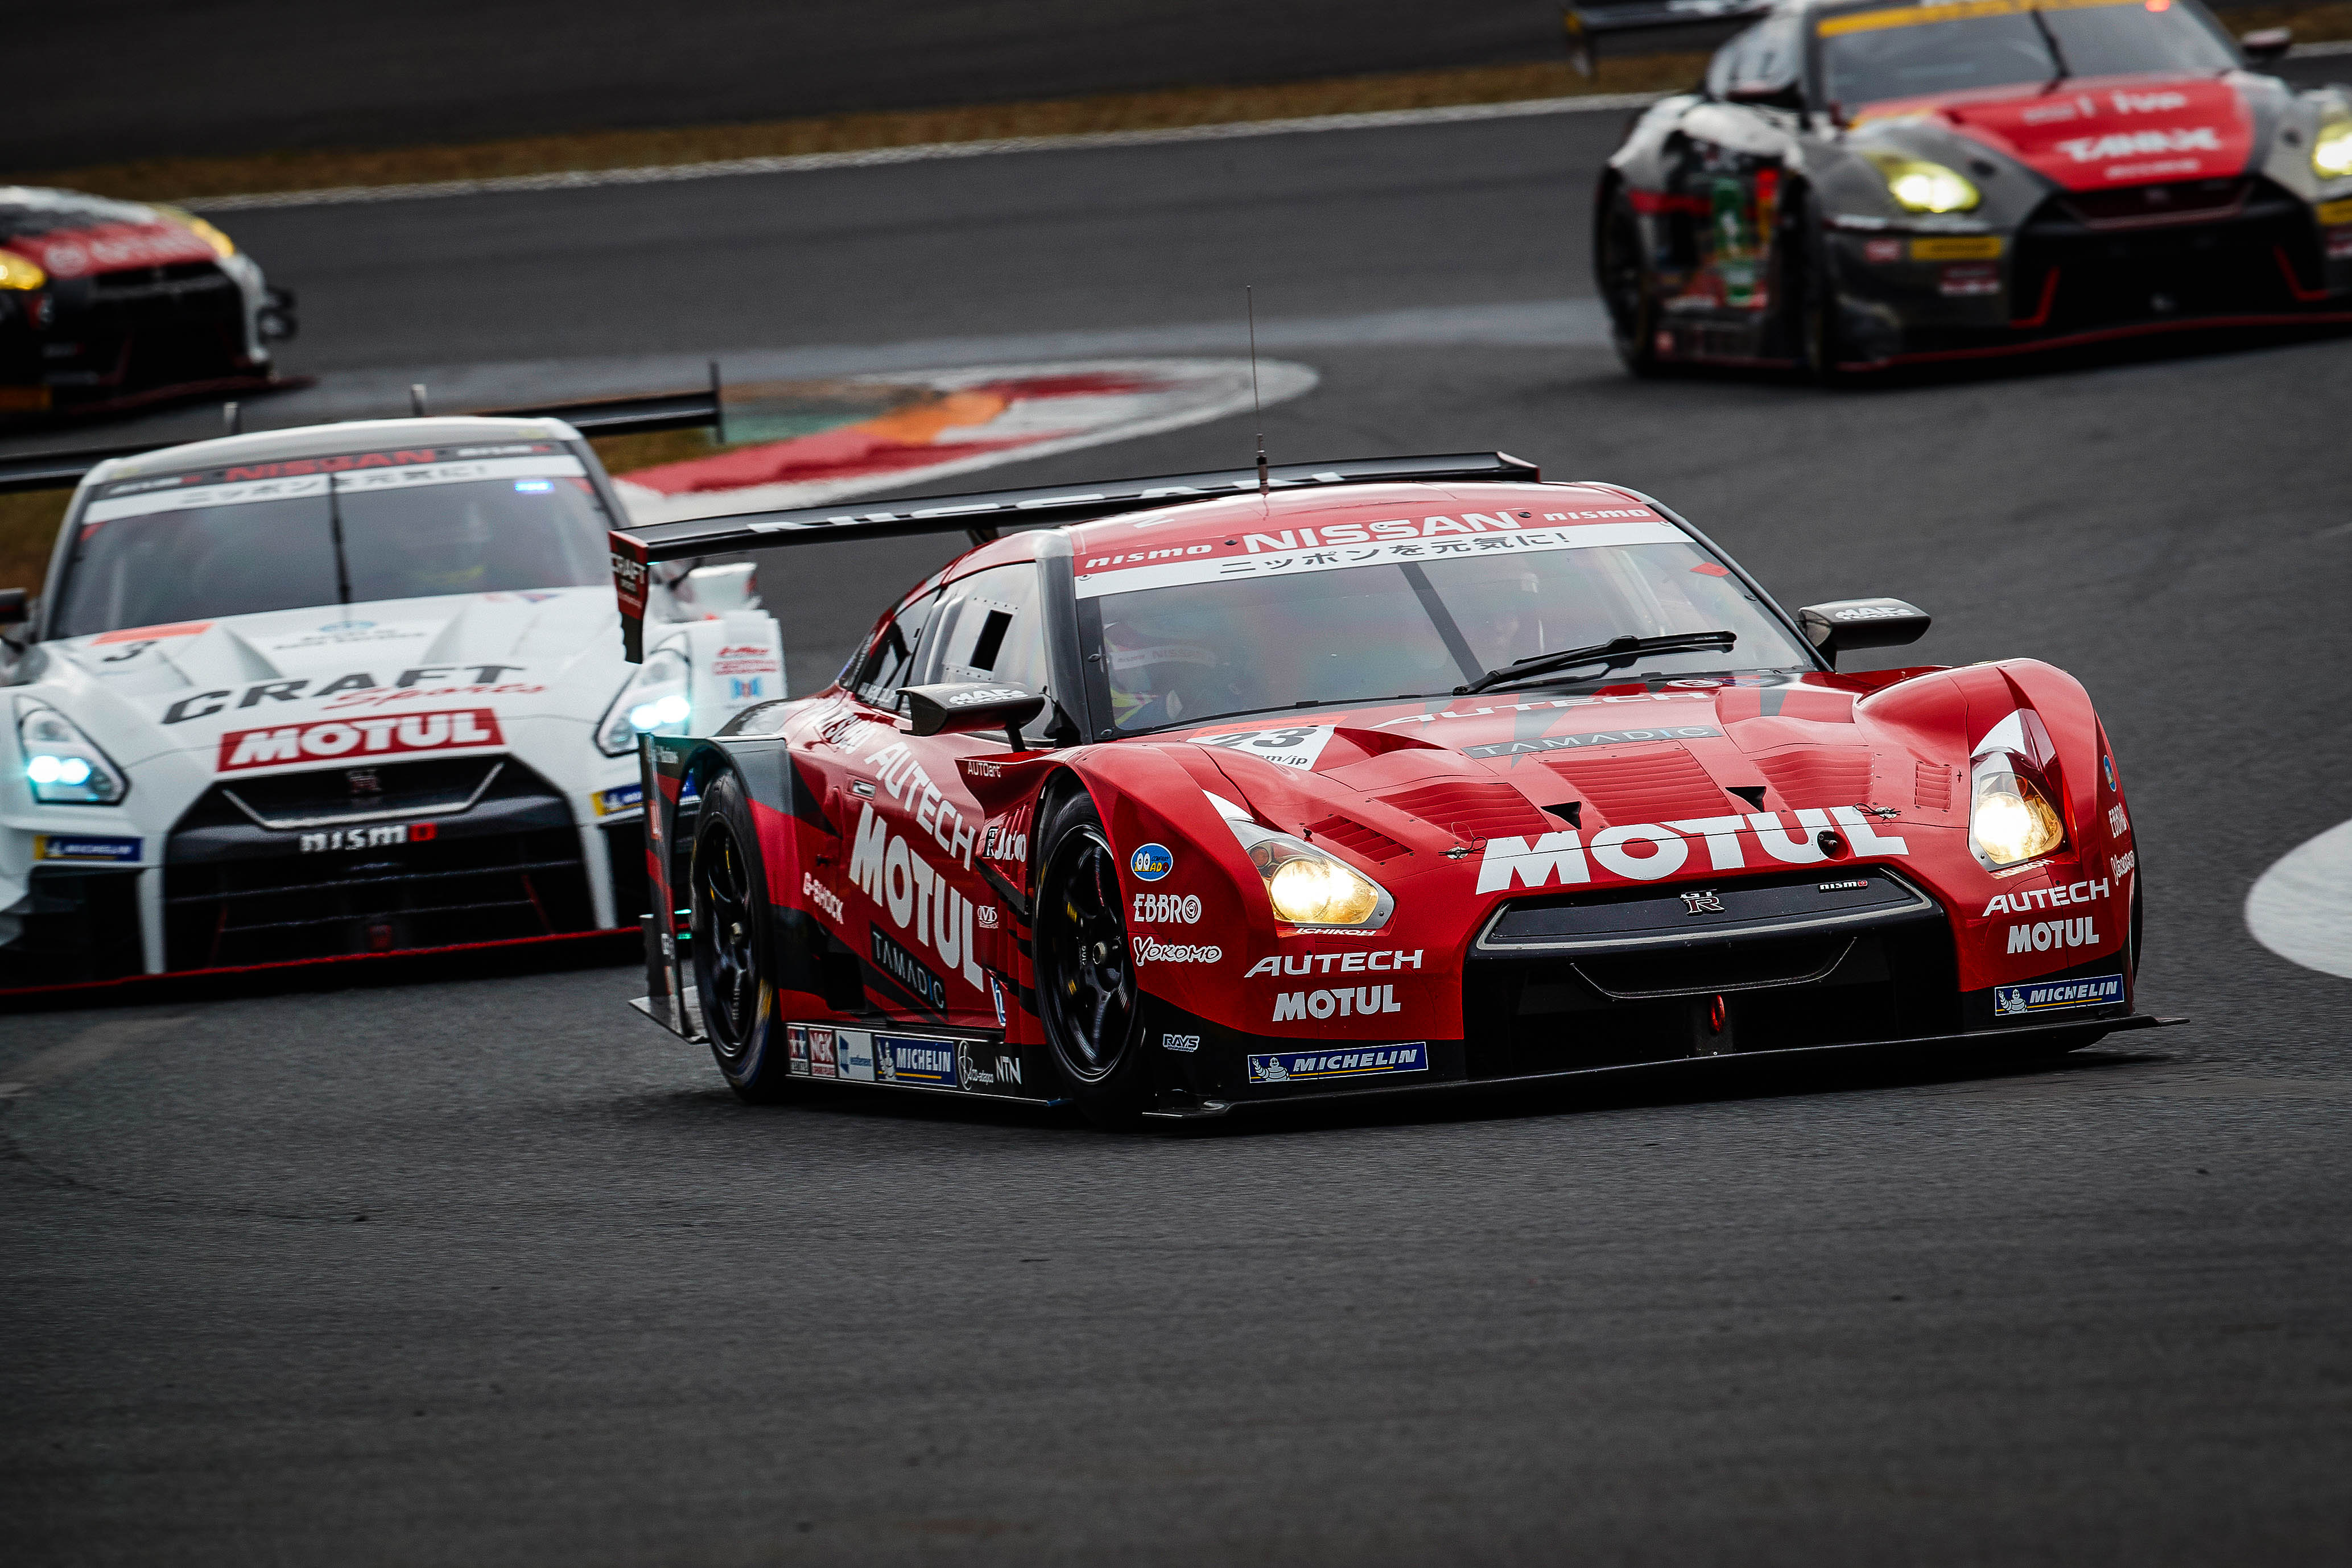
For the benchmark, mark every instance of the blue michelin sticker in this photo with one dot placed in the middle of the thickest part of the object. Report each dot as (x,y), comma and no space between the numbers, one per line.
(900,1059)
(1151,862)
(83,847)
(1355,1061)
(2056,995)
(625,797)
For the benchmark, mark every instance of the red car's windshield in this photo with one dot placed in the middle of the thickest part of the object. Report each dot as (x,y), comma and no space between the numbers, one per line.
(1920,51)
(1189,650)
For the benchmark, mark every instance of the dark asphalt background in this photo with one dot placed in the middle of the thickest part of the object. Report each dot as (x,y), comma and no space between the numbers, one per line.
(493,1271)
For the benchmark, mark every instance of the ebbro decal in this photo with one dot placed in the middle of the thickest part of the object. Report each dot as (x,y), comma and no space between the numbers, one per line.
(1167,908)
(2057,995)
(926,1063)
(1151,862)
(1360,1061)
(83,847)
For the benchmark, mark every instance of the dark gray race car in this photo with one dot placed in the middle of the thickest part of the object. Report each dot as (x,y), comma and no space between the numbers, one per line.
(1861,183)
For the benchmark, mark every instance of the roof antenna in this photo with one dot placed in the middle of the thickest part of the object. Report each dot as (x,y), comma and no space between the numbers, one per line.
(416,399)
(1249,302)
(233,416)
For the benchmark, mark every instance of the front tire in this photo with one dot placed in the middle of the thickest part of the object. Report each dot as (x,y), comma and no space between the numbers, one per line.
(1088,993)
(1625,287)
(1815,298)
(734,934)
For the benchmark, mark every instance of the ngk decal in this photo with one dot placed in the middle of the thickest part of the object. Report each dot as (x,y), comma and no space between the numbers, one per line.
(2044,935)
(1645,851)
(373,737)
(2025,900)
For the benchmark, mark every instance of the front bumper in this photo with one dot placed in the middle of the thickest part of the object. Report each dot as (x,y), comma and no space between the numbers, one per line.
(114,340)
(2202,255)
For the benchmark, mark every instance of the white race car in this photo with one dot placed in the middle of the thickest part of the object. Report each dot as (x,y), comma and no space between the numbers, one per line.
(345,689)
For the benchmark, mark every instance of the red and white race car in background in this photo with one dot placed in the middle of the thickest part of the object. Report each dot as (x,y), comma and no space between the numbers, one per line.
(107,303)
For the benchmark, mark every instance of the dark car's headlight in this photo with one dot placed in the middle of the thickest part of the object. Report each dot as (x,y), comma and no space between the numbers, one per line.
(1919,185)
(64,766)
(2331,150)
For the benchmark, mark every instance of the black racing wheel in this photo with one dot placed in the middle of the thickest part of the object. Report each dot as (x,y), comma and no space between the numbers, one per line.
(1624,277)
(733,945)
(1812,292)
(1086,989)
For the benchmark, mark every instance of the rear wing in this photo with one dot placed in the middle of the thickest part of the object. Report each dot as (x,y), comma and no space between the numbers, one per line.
(1654,26)
(636,416)
(638,549)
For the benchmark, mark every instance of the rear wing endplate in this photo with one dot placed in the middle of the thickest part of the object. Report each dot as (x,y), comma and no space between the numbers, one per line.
(1653,24)
(638,549)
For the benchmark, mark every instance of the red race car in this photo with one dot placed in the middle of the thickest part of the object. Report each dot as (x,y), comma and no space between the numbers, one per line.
(1412,773)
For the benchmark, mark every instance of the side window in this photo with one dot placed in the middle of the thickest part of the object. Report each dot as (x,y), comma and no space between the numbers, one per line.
(1766,59)
(885,667)
(989,626)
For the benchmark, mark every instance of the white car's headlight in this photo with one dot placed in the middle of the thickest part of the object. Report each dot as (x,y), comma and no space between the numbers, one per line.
(64,766)
(654,702)
(1306,886)
(2331,150)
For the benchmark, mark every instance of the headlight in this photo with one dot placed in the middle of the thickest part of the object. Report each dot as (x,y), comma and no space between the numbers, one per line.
(654,702)
(1920,186)
(2011,818)
(222,244)
(2331,150)
(61,764)
(20,272)
(1306,886)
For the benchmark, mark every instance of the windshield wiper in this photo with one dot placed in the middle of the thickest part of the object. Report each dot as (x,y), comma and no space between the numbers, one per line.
(1623,651)
(335,528)
(2057,55)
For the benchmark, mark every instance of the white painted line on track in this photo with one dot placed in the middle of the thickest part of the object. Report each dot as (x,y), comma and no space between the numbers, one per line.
(2301,909)
(928,152)
(89,1047)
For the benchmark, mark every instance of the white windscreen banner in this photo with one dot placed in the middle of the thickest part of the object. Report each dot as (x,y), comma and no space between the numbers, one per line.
(361,482)
(1433,552)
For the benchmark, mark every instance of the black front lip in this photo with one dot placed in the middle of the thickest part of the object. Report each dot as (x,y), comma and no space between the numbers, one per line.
(2085,1031)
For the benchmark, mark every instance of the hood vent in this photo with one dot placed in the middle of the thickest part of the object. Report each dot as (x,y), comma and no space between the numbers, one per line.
(1354,837)
(1472,811)
(1837,777)
(1656,783)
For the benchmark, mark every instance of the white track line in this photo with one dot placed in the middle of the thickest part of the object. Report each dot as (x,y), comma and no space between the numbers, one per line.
(928,152)
(2301,909)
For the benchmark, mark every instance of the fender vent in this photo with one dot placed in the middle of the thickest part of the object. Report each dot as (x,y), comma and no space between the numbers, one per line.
(1819,778)
(1471,810)
(1931,788)
(1348,834)
(1649,783)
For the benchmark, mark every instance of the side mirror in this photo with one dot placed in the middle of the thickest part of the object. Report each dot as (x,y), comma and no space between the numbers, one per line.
(2267,44)
(958,708)
(15,607)
(1842,625)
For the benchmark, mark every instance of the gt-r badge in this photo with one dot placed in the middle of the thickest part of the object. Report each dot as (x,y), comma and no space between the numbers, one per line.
(1151,862)
(1707,903)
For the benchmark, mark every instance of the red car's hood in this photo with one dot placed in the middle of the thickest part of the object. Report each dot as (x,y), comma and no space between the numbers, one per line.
(2095,132)
(1506,765)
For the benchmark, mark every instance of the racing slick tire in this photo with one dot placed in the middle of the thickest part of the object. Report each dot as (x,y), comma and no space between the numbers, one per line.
(1813,294)
(1625,284)
(1087,994)
(733,946)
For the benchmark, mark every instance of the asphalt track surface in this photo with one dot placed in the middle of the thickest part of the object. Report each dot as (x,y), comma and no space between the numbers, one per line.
(491,1271)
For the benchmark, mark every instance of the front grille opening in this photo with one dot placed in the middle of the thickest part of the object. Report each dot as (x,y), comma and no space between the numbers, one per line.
(2070,275)
(1537,1016)
(74,923)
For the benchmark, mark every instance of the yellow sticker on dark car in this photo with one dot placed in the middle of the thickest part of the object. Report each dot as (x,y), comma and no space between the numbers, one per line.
(1957,247)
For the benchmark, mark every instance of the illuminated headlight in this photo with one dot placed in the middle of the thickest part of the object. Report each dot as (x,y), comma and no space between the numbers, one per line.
(654,702)
(1920,186)
(21,272)
(2331,150)
(63,765)
(2011,818)
(1306,886)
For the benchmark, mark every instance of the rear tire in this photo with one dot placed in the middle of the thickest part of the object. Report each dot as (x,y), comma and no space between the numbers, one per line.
(734,953)
(1623,274)
(1088,993)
